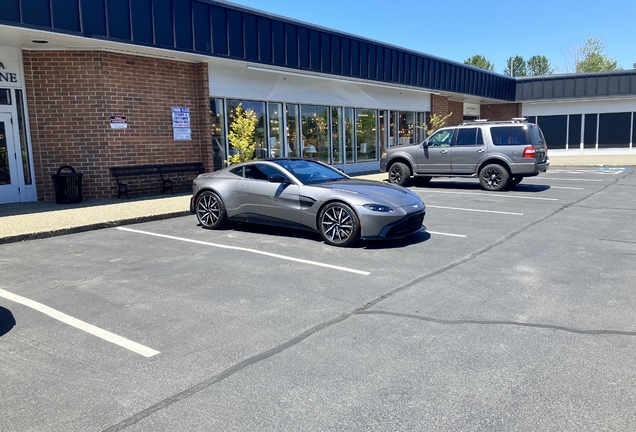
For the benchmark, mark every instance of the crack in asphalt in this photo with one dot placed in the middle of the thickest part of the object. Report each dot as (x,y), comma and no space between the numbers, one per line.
(364,309)
(494,322)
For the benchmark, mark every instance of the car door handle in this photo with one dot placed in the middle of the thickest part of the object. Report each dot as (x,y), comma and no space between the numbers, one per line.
(480,150)
(443,151)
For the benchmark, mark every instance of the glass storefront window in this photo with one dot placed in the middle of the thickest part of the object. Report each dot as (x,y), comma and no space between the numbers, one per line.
(5,97)
(366,135)
(336,135)
(260,148)
(384,116)
(393,136)
(349,140)
(420,130)
(292,130)
(24,148)
(275,118)
(5,173)
(315,132)
(217,118)
(407,128)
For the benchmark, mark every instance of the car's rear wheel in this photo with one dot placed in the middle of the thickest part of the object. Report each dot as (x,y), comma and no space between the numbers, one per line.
(399,174)
(339,224)
(493,177)
(210,210)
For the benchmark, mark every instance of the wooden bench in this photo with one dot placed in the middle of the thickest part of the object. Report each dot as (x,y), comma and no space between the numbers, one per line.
(151,177)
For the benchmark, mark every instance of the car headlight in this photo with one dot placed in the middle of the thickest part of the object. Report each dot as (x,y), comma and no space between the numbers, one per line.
(378,208)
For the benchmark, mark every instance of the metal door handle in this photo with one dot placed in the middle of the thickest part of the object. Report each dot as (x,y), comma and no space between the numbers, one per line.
(443,151)
(480,151)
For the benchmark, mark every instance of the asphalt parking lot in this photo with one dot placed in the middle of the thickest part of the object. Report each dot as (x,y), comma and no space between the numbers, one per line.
(515,311)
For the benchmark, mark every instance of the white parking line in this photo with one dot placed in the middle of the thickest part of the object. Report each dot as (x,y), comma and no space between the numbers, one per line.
(445,234)
(493,195)
(475,210)
(568,179)
(269,254)
(74,322)
(565,187)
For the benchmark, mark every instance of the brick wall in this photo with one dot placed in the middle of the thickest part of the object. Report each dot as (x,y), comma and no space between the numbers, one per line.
(501,111)
(71,96)
(441,106)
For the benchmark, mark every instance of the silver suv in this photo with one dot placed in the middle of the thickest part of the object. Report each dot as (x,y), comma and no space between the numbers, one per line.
(500,153)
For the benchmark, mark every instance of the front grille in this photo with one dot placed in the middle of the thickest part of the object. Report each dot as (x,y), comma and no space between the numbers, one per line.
(406,226)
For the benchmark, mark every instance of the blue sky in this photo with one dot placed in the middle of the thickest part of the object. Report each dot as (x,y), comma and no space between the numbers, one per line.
(458,29)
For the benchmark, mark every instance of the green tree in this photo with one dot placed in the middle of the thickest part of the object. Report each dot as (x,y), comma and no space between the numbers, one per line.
(539,65)
(435,122)
(241,135)
(591,57)
(516,67)
(480,61)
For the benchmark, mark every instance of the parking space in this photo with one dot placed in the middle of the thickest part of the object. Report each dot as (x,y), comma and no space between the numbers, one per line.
(513,312)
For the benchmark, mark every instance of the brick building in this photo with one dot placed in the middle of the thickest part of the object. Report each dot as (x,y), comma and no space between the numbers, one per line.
(70,75)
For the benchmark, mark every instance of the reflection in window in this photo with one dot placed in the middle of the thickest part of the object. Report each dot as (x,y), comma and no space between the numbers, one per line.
(292,130)
(366,135)
(315,132)
(260,149)
(24,147)
(420,127)
(393,141)
(5,97)
(5,175)
(384,116)
(336,134)
(407,128)
(275,114)
(349,134)
(217,118)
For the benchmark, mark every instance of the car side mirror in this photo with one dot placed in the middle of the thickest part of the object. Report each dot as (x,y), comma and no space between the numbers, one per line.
(277,178)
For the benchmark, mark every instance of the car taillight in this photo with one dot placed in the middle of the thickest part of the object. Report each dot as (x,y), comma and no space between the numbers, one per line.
(529,152)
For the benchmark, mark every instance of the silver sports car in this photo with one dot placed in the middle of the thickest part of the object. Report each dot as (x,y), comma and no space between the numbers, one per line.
(306,194)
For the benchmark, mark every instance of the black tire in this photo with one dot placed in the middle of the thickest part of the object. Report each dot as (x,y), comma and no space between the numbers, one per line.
(339,224)
(399,174)
(493,177)
(422,181)
(210,210)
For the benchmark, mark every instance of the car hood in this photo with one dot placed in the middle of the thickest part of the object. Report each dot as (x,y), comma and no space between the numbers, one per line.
(375,191)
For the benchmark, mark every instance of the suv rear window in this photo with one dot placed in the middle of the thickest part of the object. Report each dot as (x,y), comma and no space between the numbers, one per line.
(510,135)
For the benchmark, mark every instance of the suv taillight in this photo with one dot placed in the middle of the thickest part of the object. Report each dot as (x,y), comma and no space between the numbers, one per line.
(529,152)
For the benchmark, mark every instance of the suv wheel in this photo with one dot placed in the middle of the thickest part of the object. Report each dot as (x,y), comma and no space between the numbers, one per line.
(399,174)
(493,177)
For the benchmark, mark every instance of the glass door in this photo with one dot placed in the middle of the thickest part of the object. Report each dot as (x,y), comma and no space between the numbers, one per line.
(9,178)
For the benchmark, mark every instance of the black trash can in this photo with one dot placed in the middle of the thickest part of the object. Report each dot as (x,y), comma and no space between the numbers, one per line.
(68,186)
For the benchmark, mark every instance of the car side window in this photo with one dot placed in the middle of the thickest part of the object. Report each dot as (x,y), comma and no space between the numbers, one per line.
(469,137)
(510,135)
(441,138)
(237,171)
(261,172)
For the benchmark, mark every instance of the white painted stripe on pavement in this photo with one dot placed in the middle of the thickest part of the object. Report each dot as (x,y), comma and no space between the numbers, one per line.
(445,234)
(475,210)
(273,255)
(565,187)
(81,325)
(568,179)
(493,195)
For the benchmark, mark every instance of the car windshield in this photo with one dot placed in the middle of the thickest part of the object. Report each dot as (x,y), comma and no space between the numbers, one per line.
(310,172)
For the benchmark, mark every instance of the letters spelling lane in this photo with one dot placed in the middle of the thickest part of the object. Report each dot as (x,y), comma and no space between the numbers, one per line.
(9,77)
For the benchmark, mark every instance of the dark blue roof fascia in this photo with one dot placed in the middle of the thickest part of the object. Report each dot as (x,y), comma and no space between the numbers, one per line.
(577,86)
(222,29)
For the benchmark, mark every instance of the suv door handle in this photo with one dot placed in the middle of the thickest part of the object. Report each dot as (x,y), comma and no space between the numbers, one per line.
(443,151)
(480,150)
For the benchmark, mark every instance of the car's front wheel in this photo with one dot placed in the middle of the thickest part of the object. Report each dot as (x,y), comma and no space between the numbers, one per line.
(339,224)
(210,210)
(399,174)
(493,177)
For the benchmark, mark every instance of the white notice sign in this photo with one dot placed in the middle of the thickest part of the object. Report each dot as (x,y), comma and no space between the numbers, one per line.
(181,124)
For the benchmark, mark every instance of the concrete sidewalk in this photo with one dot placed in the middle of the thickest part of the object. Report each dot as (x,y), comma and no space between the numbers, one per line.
(25,221)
